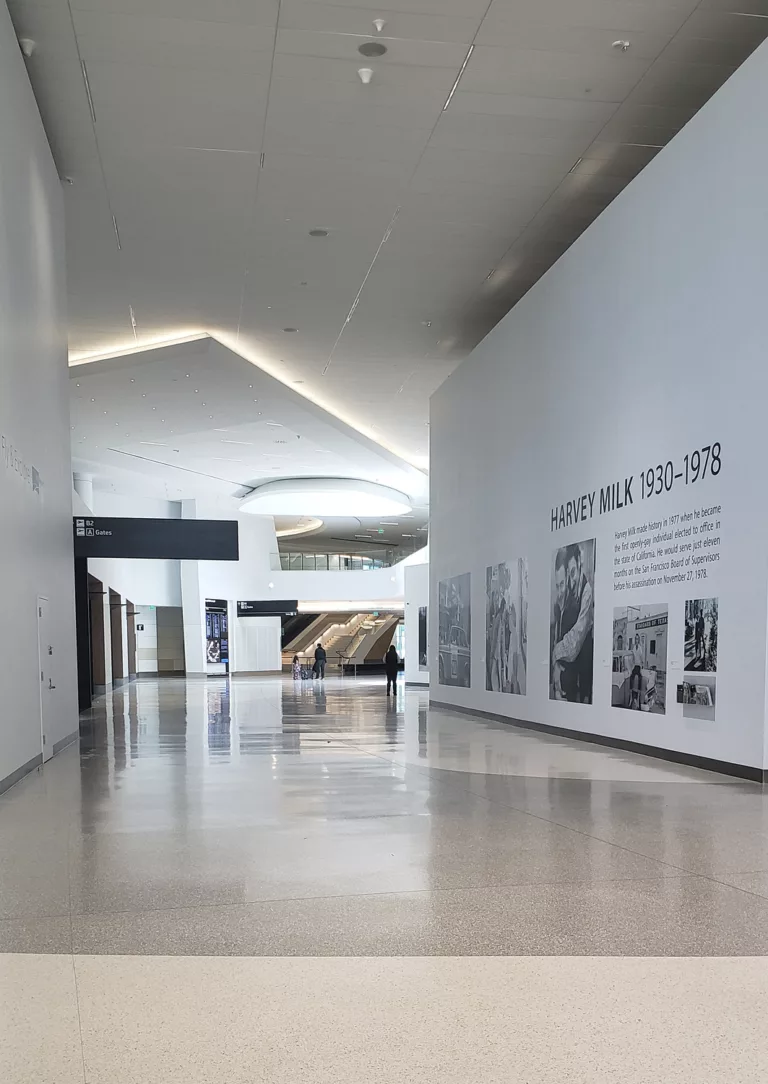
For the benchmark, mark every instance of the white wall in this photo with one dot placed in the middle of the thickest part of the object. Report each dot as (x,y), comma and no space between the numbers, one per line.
(146,640)
(416,595)
(36,535)
(647,340)
(255,643)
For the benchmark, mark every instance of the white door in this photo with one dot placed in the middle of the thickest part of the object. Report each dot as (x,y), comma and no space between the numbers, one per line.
(47,683)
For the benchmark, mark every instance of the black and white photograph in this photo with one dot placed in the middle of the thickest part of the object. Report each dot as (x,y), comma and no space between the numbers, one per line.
(506,627)
(701,635)
(455,634)
(423,638)
(639,677)
(699,697)
(572,623)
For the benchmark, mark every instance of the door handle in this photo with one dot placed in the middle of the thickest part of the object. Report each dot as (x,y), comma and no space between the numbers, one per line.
(50,684)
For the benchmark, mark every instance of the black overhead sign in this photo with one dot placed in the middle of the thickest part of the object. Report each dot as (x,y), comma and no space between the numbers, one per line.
(274,607)
(156,539)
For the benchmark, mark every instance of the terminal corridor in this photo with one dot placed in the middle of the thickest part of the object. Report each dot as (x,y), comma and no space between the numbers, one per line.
(256,880)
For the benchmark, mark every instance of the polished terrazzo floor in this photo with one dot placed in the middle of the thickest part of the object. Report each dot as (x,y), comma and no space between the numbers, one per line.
(257,881)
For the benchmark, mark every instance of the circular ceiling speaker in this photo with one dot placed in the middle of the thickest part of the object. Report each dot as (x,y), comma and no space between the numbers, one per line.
(318,233)
(372,48)
(324,497)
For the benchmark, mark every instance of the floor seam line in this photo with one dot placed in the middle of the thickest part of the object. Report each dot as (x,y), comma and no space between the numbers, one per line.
(79,1017)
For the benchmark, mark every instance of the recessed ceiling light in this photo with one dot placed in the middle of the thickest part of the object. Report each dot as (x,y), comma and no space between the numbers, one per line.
(77,385)
(71,427)
(210,415)
(133,380)
(195,391)
(372,48)
(105,412)
(290,329)
(314,233)
(93,400)
(202,404)
(250,385)
(153,443)
(186,375)
(278,424)
(236,442)
(154,408)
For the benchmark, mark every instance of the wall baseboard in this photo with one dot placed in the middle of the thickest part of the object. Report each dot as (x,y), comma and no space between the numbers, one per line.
(674,756)
(420,684)
(62,743)
(259,673)
(12,779)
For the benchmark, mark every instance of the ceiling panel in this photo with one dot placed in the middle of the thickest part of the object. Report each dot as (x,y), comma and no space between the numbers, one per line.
(637,16)
(395,80)
(376,143)
(406,51)
(185,107)
(345,19)
(521,135)
(466,8)
(218,156)
(170,43)
(553,74)
(242,12)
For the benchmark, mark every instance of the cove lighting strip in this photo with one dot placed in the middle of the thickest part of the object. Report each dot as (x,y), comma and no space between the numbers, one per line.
(137,348)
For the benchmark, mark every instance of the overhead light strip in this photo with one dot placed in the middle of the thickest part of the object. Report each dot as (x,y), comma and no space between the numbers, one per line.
(470,51)
(88,90)
(133,348)
(117,232)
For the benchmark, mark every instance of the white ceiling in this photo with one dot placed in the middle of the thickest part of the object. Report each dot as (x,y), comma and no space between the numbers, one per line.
(197,419)
(226,129)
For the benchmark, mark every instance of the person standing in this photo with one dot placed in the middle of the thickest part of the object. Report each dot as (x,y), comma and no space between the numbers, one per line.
(573,655)
(391,665)
(320,660)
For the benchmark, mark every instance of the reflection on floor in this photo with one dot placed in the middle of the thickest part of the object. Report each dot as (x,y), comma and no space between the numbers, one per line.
(255,880)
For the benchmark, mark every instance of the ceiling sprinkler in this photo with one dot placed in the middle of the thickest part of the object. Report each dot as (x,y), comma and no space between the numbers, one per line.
(379,25)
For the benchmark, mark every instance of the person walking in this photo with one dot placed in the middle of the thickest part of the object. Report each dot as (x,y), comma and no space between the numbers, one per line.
(391,664)
(320,660)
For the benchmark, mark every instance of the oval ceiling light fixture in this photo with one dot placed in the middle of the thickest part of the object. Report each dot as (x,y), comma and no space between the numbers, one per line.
(318,233)
(372,48)
(324,497)
(366,74)
(290,329)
